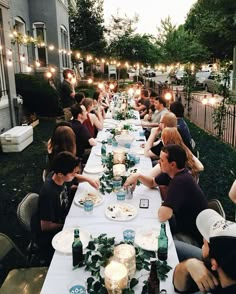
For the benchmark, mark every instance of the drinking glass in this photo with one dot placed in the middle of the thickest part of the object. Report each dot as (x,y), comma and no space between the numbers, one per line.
(117,182)
(88,206)
(121,195)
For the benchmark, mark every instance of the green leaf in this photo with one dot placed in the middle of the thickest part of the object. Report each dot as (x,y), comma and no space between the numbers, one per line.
(90,281)
(133,283)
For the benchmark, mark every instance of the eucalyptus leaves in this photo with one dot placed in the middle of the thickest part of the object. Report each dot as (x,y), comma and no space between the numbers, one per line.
(100,250)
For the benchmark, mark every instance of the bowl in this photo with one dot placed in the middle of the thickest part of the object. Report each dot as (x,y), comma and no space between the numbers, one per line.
(124,139)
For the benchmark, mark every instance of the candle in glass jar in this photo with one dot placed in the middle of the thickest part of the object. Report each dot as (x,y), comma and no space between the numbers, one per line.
(116,277)
(125,254)
(119,170)
(118,156)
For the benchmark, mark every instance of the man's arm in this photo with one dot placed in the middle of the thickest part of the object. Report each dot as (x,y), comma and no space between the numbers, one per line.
(146,180)
(92,142)
(164,213)
(193,271)
(48,226)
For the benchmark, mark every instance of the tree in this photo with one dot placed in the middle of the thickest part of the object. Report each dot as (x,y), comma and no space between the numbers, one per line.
(86,27)
(178,45)
(213,22)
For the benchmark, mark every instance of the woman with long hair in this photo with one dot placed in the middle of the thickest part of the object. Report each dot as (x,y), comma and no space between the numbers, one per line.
(172,136)
(94,121)
(63,139)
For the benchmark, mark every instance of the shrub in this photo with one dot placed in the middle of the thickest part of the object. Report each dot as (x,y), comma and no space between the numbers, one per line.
(38,96)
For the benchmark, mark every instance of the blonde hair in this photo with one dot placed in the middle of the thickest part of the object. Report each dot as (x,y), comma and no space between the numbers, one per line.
(169,120)
(172,136)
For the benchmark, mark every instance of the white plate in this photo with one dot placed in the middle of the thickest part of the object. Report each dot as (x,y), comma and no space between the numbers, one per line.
(121,212)
(93,169)
(98,153)
(95,196)
(63,240)
(147,238)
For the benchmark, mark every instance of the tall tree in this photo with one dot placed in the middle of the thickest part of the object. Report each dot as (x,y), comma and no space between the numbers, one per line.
(87,27)
(213,22)
(178,45)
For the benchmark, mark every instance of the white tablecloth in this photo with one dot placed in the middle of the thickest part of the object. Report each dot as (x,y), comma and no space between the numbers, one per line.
(60,272)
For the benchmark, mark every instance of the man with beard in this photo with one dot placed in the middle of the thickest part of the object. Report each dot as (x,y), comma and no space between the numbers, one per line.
(216,273)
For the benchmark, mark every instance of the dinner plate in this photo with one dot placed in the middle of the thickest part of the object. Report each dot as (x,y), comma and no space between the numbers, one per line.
(63,240)
(94,169)
(121,212)
(95,196)
(147,238)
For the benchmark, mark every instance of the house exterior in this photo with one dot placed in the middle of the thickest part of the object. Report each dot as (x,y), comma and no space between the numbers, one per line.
(43,20)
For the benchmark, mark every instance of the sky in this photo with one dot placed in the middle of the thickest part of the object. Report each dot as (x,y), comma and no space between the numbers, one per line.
(150,12)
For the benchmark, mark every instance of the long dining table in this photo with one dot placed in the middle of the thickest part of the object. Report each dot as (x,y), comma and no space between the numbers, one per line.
(61,273)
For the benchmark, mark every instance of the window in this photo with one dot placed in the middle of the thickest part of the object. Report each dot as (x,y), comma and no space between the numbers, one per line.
(64,46)
(21,52)
(39,31)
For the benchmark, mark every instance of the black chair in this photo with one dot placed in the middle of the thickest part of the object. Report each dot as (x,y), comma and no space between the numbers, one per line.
(27,280)
(217,206)
(25,211)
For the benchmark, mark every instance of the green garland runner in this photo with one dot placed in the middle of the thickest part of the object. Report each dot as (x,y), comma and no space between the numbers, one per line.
(100,250)
(106,185)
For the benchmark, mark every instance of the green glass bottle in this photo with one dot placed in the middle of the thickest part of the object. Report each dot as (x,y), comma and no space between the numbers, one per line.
(103,149)
(153,283)
(77,249)
(162,251)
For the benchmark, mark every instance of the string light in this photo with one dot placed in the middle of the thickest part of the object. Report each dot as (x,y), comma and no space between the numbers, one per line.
(28,68)
(51,47)
(37,63)
(48,74)
(22,57)
(52,69)
(78,55)
(90,81)
(9,62)
(9,52)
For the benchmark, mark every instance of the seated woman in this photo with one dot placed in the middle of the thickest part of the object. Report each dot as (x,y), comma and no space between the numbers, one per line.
(63,139)
(172,136)
(94,121)
(98,103)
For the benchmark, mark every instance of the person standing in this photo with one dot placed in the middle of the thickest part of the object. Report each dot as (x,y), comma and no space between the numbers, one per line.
(67,93)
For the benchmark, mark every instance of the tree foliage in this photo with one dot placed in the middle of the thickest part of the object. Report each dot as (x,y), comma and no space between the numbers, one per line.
(86,27)
(213,22)
(178,45)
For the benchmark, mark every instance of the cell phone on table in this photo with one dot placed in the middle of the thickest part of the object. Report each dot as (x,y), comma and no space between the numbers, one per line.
(144,203)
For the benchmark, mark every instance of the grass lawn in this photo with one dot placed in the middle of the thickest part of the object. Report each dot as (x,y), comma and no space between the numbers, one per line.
(21,173)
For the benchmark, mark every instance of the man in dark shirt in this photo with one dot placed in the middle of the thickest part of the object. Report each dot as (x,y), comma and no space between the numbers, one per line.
(67,93)
(84,140)
(184,199)
(216,272)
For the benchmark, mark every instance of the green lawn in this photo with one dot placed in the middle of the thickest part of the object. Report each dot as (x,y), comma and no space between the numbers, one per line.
(21,173)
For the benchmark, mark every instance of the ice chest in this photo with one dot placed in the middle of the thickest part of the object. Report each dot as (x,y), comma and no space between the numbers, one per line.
(16,139)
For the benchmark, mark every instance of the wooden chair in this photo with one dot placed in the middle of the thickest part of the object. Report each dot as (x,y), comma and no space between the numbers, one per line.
(22,280)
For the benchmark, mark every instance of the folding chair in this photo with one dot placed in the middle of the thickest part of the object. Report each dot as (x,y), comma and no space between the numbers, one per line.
(23,280)
(217,206)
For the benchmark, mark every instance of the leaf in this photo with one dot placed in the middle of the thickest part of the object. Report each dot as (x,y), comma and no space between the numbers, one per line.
(128,291)
(90,281)
(97,286)
(133,283)
(91,245)
(144,290)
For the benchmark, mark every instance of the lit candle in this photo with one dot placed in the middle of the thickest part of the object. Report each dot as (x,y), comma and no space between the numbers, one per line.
(125,254)
(118,156)
(116,277)
(119,170)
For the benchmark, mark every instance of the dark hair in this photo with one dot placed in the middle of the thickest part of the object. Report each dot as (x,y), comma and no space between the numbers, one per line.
(87,102)
(96,95)
(225,258)
(177,108)
(153,94)
(66,72)
(145,93)
(161,100)
(175,153)
(79,97)
(65,162)
(75,110)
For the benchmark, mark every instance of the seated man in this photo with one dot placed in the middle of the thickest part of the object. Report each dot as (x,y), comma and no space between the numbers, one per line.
(55,200)
(216,273)
(84,140)
(184,198)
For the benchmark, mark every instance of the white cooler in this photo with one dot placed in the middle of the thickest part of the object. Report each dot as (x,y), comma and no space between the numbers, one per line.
(16,139)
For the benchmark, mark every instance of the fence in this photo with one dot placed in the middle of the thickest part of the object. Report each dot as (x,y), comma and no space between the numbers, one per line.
(201,115)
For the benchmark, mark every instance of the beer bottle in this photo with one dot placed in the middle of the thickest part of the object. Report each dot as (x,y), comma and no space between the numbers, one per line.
(77,249)
(103,149)
(153,283)
(162,251)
